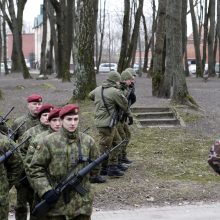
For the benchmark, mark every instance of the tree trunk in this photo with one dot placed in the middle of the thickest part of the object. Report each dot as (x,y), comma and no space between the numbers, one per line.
(205,36)
(211,36)
(196,40)
(17,35)
(157,73)
(184,36)
(44,41)
(53,33)
(218,32)
(125,37)
(64,20)
(85,75)
(175,53)
(146,45)
(134,37)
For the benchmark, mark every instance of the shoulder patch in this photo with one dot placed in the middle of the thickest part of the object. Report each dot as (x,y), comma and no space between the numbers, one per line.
(38,147)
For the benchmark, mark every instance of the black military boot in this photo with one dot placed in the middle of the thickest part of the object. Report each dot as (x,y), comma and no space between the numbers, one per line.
(103,171)
(124,159)
(113,171)
(122,167)
(97,179)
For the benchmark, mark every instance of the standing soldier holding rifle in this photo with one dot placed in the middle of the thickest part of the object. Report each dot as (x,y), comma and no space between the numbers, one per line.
(109,101)
(127,87)
(10,170)
(34,102)
(59,154)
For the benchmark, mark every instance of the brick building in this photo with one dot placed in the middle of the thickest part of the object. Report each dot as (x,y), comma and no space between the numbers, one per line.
(28,45)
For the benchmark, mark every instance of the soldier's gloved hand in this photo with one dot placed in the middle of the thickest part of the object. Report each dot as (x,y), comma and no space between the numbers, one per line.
(130,120)
(51,196)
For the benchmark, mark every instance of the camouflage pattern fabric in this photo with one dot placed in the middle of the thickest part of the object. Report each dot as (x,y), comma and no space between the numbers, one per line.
(30,121)
(109,137)
(53,160)
(114,99)
(9,171)
(124,132)
(25,193)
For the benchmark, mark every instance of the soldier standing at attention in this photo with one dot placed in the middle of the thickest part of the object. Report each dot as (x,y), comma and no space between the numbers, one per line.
(61,153)
(109,100)
(55,125)
(34,102)
(10,172)
(123,128)
(24,187)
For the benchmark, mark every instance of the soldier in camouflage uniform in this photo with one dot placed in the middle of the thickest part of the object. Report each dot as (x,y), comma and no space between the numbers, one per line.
(59,154)
(55,125)
(108,100)
(123,128)
(9,171)
(34,102)
(25,192)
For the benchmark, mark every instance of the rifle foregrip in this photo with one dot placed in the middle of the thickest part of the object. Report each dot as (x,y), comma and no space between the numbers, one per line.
(5,156)
(41,209)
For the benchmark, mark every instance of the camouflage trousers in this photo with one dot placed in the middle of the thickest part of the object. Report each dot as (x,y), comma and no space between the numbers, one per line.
(79,217)
(25,194)
(124,132)
(108,138)
(4,204)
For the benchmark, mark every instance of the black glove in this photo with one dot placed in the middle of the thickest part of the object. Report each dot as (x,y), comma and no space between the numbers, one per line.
(130,121)
(51,196)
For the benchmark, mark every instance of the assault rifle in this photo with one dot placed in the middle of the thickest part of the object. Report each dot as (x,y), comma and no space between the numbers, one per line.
(7,154)
(71,183)
(4,118)
(12,133)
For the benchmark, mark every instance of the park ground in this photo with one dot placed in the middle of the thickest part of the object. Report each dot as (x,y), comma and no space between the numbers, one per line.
(169,164)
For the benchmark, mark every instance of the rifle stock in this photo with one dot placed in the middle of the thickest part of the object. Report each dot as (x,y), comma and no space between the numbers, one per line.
(72,183)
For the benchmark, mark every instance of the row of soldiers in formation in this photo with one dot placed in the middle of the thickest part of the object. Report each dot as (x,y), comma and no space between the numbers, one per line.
(53,148)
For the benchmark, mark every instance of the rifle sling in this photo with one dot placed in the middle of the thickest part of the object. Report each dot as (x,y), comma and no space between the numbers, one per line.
(103,99)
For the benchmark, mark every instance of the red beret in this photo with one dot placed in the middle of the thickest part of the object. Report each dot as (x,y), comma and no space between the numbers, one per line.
(44,108)
(34,98)
(69,109)
(54,113)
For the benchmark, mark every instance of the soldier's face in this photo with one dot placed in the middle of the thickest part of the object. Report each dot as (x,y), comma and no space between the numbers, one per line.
(70,122)
(33,107)
(128,82)
(44,118)
(55,124)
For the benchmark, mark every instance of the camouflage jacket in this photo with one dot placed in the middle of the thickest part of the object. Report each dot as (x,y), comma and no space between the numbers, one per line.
(53,159)
(9,170)
(32,147)
(33,132)
(114,99)
(30,121)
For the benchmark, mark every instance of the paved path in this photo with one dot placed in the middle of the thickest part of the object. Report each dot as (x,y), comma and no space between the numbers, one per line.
(186,212)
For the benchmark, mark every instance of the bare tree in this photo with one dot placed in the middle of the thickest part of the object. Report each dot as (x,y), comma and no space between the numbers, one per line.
(205,35)
(44,41)
(211,36)
(158,59)
(15,24)
(99,47)
(125,37)
(147,44)
(218,32)
(64,19)
(85,74)
(196,40)
(174,58)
